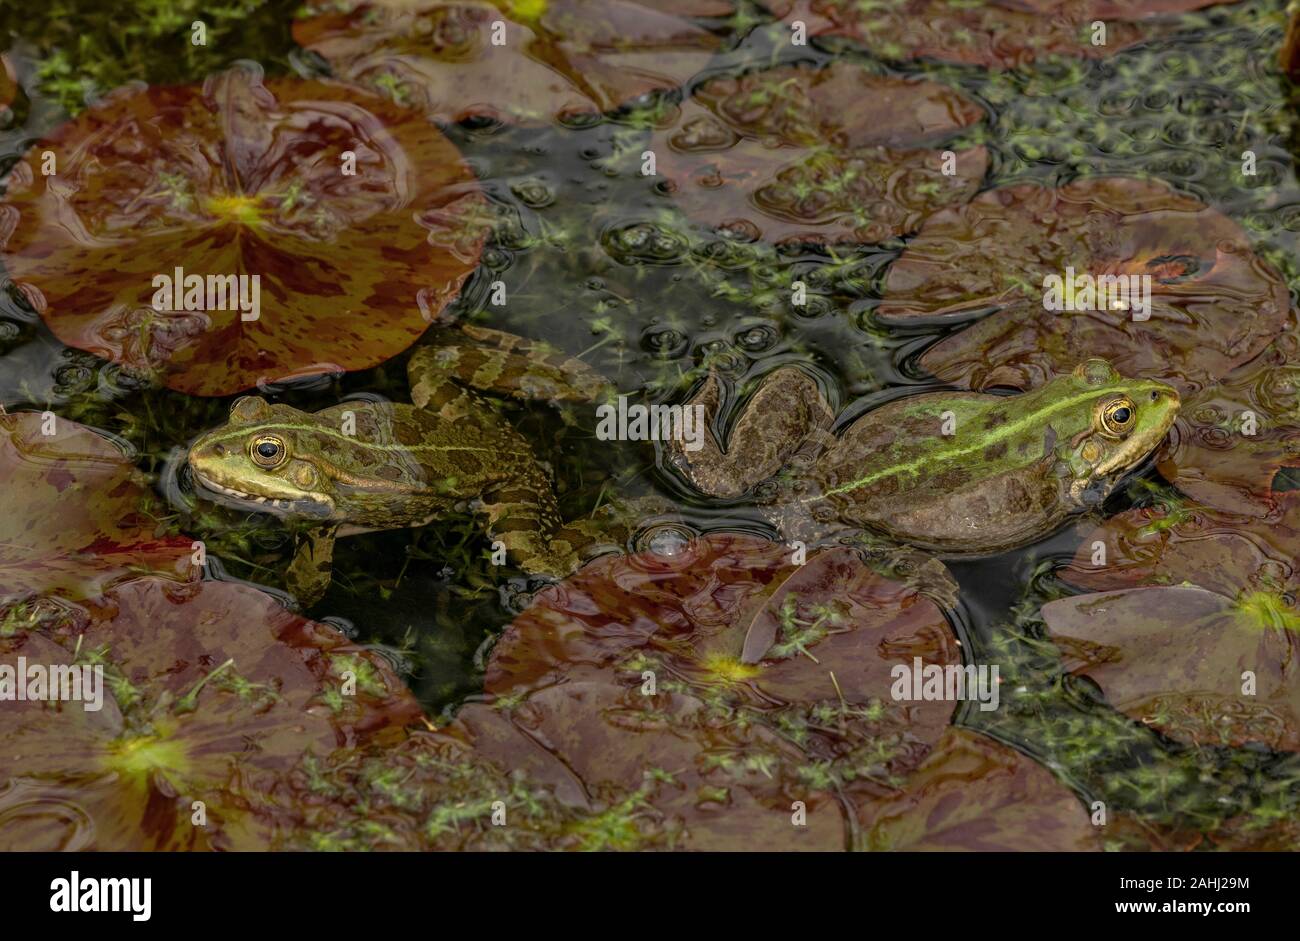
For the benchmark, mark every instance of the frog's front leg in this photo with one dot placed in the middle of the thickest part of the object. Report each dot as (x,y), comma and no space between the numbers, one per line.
(785,415)
(524,516)
(476,358)
(308,575)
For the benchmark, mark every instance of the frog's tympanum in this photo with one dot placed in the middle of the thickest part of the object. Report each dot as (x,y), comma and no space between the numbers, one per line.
(951,472)
(361,466)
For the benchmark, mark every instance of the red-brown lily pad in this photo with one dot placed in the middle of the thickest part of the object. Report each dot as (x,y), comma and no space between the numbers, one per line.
(1233,437)
(1000,34)
(240,177)
(76,516)
(1181,660)
(977,795)
(747,701)
(1289,54)
(212,693)
(1215,304)
(835,154)
(1223,552)
(432,792)
(8,82)
(725,743)
(528,60)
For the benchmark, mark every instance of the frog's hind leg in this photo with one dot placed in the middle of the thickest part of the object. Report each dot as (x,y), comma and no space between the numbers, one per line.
(477,358)
(525,517)
(786,417)
(308,575)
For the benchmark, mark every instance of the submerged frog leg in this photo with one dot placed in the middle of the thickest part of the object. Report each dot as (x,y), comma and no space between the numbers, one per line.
(787,415)
(612,526)
(499,363)
(525,517)
(308,575)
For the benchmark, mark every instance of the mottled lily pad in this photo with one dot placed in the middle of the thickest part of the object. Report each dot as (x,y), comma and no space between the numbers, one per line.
(1178,659)
(75,515)
(797,153)
(556,59)
(213,692)
(1232,438)
(1215,303)
(1000,34)
(242,177)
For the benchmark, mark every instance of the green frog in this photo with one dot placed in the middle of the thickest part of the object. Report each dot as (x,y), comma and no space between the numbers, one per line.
(361,466)
(957,473)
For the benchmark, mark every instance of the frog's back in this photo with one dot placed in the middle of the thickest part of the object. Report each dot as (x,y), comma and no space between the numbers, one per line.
(946,471)
(412,453)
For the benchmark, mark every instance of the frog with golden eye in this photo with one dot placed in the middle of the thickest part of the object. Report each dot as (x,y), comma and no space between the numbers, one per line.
(958,473)
(362,466)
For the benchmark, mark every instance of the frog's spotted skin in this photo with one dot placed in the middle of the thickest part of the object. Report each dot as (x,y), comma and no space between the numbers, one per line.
(406,465)
(1009,470)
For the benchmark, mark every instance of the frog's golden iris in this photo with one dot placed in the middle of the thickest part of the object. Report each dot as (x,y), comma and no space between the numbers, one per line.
(268,451)
(1118,417)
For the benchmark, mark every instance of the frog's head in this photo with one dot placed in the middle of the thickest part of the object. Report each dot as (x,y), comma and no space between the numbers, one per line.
(1114,424)
(258,457)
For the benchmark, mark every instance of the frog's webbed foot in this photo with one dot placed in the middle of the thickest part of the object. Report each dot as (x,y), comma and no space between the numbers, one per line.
(445,374)
(308,575)
(787,415)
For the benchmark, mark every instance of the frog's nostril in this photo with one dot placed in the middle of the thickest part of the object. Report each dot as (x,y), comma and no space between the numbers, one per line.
(219,450)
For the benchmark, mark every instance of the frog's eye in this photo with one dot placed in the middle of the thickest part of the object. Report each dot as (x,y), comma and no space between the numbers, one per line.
(268,451)
(1117,417)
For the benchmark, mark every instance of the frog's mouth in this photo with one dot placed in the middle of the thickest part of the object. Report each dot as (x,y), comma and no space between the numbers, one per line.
(306,505)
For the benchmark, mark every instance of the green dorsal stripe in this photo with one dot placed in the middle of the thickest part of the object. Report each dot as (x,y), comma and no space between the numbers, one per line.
(245,430)
(956,451)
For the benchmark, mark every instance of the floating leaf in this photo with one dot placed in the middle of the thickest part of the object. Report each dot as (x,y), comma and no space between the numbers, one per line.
(213,692)
(978,795)
(75,516)
(241,177)
(1232,438)
(1215,304)
(1289,55)
(1178,659)
(1211,549)
(797,153)
(663,677)
(1000,34)
(555,59)
(432,792)
(8,82)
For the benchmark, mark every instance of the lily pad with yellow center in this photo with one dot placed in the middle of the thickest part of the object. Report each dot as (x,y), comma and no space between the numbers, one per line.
(1199,666)
(213,694)
(296,226)
(737,691)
